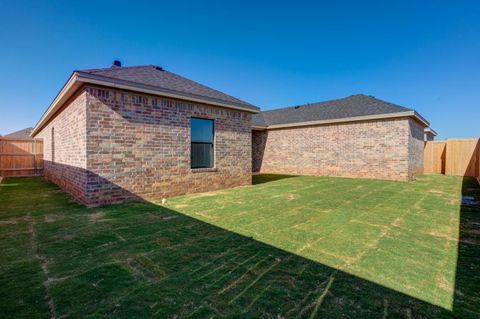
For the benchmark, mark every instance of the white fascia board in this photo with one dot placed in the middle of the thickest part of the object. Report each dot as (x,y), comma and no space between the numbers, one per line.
(430,130)
(67,90)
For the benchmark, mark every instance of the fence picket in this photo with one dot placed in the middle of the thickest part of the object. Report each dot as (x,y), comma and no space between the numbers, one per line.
(19,157)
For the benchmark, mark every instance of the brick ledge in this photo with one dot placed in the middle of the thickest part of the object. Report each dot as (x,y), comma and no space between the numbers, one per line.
(204,170)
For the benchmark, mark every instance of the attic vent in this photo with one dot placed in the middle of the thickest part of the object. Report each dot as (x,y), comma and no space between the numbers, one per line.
(297,107)
(159,68)
(117,64)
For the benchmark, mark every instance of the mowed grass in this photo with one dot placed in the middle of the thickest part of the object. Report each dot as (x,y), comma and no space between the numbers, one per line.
(286,247)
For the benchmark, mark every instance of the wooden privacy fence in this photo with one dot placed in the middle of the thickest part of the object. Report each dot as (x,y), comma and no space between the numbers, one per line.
(459,157)
(21,157)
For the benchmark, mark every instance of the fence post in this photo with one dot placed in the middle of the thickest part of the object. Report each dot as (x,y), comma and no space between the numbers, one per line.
(34,142)
(1,158)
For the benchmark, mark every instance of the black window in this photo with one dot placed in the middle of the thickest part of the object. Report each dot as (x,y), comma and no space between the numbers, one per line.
(201,134)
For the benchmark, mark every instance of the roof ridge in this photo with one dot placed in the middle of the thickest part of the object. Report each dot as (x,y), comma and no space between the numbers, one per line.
(334,100)
(390,103)
(110,68)
(309,104)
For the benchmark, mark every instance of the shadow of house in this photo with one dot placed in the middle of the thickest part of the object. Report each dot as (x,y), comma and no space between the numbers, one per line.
(467,282)
(259,142)
(86,186)
(267,178)
(145,260)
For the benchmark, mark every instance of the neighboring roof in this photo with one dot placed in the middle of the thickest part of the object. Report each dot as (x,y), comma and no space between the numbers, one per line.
(155,76)
(23,133)
(352,108)
(148,79)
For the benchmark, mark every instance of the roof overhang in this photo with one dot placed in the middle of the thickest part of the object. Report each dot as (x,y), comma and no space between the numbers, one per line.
(411,114)
(257,127)
(430,130)
(78,78)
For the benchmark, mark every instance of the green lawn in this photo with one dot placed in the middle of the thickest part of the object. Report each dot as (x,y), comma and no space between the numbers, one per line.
(286,247)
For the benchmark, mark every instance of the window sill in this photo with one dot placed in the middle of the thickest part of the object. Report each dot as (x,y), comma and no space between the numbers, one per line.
(204,170)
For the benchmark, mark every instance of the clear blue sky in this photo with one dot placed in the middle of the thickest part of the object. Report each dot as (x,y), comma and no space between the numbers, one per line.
(424,55)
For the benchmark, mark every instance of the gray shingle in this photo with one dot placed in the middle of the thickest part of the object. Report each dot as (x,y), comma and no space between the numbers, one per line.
(352,106)
(258,120)
(24,133)
(157,77)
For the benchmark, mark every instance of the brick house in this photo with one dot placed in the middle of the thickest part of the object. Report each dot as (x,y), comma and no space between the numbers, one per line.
(125,133)
(358,136)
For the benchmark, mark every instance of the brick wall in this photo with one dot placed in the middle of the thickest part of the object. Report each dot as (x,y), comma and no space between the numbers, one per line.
(114,146)
(372,149)
(139,146)
(67,166)
(428,136)
(416,147)
(259,141)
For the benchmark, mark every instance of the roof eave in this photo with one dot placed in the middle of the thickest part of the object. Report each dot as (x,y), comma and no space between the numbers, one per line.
(143,88)
(411,114)
(430,130)
(65,93)
(257,127)
(79,78)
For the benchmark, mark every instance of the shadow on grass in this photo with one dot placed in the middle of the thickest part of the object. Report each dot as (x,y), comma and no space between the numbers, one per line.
(467,281)
(144,260)
(267,178)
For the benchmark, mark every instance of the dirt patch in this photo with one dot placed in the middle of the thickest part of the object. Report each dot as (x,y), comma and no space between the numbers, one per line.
(181,206)
(8,222)
(291,197)
(397,222)
(51,218)
(209,194)
(95,217)
(442,283)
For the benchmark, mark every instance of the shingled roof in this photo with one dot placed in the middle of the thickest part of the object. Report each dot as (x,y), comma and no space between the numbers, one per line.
(355,106)
(156,77)
(148,79)
(23,133)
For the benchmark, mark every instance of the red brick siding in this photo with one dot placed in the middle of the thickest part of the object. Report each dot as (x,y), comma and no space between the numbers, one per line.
(416,146)
(371,149)
(428,136)
(139,146)
(68,169)
(259,141)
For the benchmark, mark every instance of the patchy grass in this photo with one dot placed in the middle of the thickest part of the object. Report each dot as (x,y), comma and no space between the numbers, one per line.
(296,247)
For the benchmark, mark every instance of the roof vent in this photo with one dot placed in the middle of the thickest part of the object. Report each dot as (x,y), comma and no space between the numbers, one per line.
(116,64)
(159,68)
(297,107)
